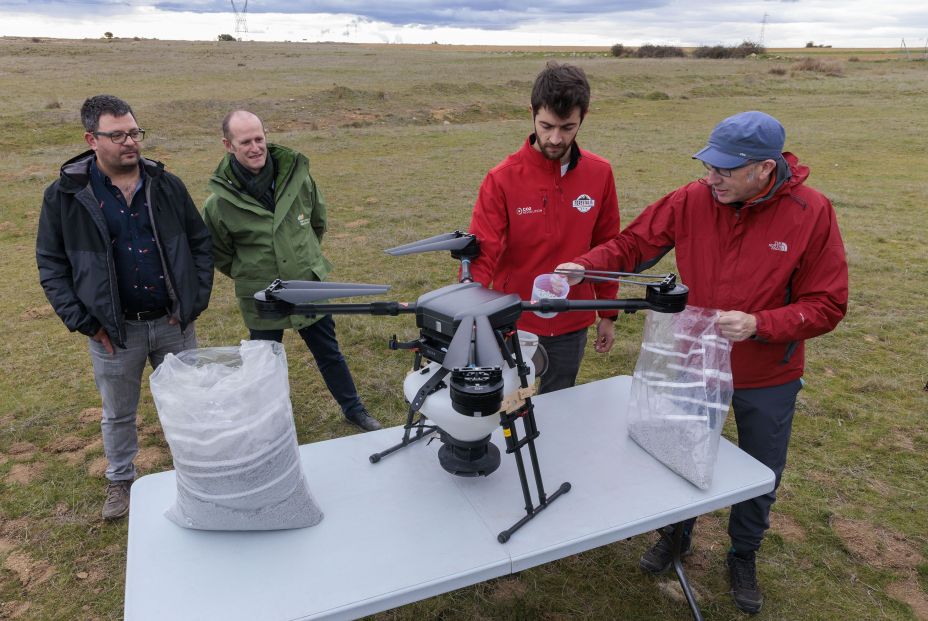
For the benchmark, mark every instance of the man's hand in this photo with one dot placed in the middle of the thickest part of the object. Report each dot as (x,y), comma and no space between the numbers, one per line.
(573,280)
(737,326)
(605,334)
(104,339)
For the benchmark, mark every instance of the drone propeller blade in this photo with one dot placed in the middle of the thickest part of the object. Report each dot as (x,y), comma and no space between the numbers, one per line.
(308,291)
(458,354)
(445,241)
(488,354)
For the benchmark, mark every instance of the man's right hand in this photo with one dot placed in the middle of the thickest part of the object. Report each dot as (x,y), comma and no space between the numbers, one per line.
(104,339)
(571,280)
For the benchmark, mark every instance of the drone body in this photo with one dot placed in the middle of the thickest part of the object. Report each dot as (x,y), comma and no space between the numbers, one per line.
(473,369)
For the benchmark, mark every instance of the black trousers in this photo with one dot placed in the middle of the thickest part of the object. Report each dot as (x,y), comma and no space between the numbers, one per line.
(320,338)
(565,353)
(764,417)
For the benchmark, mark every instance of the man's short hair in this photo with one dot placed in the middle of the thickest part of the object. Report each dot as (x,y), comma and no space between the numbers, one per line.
(227,120)
(98,105)
(560,89)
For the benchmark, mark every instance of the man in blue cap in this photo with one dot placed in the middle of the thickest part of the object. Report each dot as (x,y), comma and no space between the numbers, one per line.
(755,242)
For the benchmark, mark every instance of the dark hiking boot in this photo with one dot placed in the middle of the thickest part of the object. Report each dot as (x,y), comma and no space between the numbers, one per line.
(364,420)
(659,557)
(744,589)
(116,505)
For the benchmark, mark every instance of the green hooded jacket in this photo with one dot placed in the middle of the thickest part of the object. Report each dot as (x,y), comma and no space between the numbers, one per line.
(253,246)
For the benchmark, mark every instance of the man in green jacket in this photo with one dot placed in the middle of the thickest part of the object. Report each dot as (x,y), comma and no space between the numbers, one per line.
(267,217)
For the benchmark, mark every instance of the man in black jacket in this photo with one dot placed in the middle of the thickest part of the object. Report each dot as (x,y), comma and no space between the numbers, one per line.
(126,260)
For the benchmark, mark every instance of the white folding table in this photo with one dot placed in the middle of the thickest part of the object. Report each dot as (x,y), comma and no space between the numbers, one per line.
(404,529)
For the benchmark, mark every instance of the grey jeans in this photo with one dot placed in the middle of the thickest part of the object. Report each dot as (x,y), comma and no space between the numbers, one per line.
(119,380)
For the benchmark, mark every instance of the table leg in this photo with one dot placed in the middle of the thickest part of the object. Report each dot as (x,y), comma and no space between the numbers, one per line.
(677,543)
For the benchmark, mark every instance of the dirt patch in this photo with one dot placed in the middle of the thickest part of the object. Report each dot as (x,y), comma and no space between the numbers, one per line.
(507,590)
(67,444)
(150,459)
(97,468)
(6,545)
(786,527)
(24,450)
(356,223)
(90,415)
(909,592)
(877,546)
(15,528)
(24,474)
(76,457)
(31,573)
(14,610)
(903,440)
(37,312)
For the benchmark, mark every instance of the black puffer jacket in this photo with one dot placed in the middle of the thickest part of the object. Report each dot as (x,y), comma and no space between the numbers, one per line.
(75,259)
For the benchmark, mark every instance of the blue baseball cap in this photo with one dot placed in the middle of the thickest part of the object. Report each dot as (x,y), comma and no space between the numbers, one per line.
(743,137)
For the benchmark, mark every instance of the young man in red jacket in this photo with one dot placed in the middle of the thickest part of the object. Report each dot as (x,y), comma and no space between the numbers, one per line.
(755,242)
(542,205)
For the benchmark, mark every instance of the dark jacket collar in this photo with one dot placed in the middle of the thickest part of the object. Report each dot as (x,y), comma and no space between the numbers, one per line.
(75,173)
(541,160)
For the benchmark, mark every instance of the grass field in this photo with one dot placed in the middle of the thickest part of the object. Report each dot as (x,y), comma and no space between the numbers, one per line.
(399,138)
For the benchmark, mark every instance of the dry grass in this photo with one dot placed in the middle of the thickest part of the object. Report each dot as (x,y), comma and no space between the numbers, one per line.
(399,138)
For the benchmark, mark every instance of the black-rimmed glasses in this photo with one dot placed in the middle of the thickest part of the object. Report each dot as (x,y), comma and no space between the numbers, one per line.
(724,172)
(119,137)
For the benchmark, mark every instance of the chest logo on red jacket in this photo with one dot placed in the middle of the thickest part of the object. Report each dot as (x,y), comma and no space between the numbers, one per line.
(583,203)
(779,246)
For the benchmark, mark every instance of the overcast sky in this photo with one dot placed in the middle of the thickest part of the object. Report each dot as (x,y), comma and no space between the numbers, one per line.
(776,23)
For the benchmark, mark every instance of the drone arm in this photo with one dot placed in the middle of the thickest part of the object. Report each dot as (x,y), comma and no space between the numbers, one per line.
(672,301)
(369,308)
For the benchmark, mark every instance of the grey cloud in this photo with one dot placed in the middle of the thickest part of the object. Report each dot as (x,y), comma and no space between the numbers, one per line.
(489,14)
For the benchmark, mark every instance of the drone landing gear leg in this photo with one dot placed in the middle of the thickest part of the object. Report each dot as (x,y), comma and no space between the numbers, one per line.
(514,445)
(422,430)
(412,422)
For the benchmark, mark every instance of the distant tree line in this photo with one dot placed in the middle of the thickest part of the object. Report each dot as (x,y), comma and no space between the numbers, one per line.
(742,50)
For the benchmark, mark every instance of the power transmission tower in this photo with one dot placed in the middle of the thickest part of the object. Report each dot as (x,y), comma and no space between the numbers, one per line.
(763,27)
(241,20)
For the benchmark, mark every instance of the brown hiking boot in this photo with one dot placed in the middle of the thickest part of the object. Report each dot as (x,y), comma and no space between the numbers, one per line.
(116,505)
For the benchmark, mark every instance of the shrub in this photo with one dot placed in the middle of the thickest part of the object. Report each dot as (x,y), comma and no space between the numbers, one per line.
(659,51)
(226,37)
(778,71)
(818,66)
(657,96)
(810,44)
(108,35)
(617,50)
(744,49)
(853,59)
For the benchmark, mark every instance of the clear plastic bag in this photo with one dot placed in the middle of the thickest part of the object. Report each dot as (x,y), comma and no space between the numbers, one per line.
(227,417)
(681,391)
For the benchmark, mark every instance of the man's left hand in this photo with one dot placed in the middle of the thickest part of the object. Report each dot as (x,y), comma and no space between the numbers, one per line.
(737,326)
(605,335)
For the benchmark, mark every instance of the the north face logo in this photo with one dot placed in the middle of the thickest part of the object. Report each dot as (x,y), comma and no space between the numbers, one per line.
(583,203)
(779,246)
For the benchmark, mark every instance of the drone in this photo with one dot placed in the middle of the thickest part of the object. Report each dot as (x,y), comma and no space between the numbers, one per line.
(473,369)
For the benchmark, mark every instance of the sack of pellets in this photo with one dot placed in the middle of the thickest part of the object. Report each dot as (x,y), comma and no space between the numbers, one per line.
(227,418)
(681,391)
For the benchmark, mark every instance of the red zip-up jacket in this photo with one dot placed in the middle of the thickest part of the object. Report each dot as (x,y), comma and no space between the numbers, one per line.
(780,258)
(529,219)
